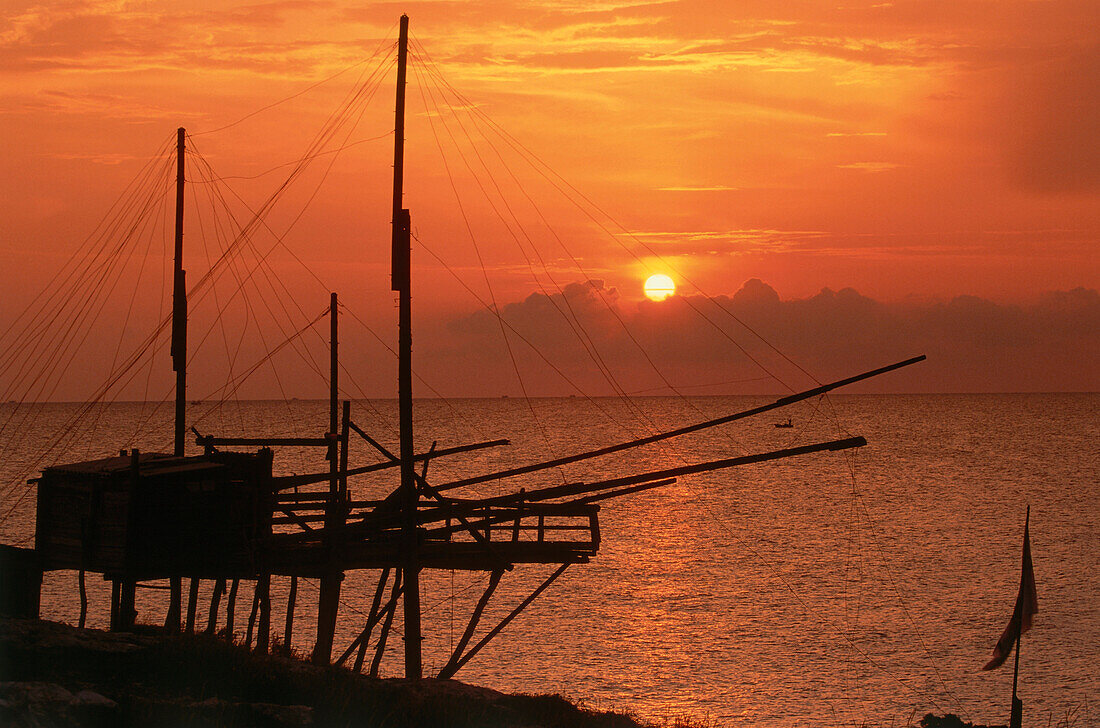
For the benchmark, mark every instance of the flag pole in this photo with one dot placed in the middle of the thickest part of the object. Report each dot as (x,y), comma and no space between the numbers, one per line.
(1016,717)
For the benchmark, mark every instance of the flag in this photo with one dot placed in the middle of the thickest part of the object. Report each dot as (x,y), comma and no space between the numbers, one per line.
(1027,604)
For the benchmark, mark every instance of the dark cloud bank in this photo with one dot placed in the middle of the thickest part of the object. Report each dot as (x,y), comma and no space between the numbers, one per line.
(706,345)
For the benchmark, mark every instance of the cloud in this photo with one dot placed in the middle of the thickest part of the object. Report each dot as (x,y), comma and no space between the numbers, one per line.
(870,166)
(591,336)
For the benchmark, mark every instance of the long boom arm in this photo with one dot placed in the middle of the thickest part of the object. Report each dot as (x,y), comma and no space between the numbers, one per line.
(782,402)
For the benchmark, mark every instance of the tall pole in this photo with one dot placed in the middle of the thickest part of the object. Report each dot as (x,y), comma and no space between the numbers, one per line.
(400,282)
(179,304)
(179,358)
(329,603)
(1016,716)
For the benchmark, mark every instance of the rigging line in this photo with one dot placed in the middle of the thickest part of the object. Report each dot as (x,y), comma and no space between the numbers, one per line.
(808,610)
(595,353)
(377,50)
(268,272)
(535,349)
(488,286)
(310,158)
(222,234)
(160,309)
(201,281)
(586,341)
(861,505)
(230,357)
(86,306)
(155,217)
(243,376)
(475,426)
(638,412)
(702,386)
(64,303)
(527,154)
(74,263)
(90,309)
(231,265)
(336,120)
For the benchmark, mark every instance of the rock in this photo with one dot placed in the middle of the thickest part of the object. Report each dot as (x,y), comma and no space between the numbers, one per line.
(284,716)
(92,699)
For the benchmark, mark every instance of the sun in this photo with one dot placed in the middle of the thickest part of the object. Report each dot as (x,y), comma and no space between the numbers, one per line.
(658,287)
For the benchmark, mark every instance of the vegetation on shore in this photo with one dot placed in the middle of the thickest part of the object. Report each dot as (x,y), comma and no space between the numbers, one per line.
(54,674)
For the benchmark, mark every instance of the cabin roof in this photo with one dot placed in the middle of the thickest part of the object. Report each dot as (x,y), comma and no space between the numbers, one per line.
(148,464)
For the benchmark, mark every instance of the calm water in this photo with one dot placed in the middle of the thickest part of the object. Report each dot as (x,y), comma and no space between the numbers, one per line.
(835,589)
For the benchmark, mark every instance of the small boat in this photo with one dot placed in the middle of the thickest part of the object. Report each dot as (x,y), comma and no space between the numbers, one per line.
(784,424)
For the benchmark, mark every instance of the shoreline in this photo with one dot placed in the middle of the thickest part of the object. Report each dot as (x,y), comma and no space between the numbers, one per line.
(56,674)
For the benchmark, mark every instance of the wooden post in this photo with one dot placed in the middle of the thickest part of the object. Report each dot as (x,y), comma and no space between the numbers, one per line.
(288,631)
(127,614)
(83,599)
(231,609)
(192,604)
(328,604)
(175,597)
(252,615)
(400,282)
(215,602)
(263,627)
(114,605)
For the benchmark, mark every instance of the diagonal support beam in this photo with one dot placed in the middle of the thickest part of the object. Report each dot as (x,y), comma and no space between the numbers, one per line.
(372,619)
(391,607)
(451,667)
(456,665)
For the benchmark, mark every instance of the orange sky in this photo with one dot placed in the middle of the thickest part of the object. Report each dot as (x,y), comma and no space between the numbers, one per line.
(912,151)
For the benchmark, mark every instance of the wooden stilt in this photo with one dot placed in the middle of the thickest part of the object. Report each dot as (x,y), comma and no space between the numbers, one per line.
(328,604)
(215,602)
(252,615)
(115,589)
(83,599)
(231,609)
(175,601)
(263,626)
(127,614)
(192,604)
(288,630)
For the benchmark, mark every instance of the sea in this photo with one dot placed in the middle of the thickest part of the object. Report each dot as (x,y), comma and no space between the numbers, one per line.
(865,587)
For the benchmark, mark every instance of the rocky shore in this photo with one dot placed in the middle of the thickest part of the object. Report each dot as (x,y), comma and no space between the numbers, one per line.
(55,675)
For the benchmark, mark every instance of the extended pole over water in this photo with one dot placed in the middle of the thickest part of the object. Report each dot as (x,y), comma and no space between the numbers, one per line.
(400,282)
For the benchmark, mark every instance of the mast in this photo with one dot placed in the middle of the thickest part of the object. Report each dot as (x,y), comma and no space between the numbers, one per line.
(179,359)
(179,304)
(400,282)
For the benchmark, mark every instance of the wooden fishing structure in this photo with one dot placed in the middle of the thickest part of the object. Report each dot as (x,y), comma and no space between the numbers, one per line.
(224,516)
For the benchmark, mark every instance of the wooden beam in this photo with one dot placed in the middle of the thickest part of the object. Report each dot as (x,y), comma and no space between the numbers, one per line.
(450,668)
(391,607)
(457,664)
(292,481)
(572,489)
(782,402)
(210,440)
